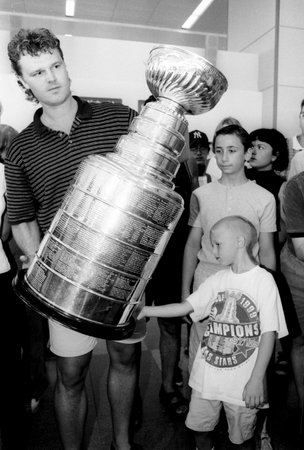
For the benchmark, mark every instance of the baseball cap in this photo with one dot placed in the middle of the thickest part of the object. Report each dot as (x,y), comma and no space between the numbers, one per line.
(197,137)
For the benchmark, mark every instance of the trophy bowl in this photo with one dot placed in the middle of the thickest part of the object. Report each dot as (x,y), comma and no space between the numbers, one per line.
(185,78)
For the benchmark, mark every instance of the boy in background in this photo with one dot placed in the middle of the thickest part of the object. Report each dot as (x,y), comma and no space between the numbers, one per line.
(244,313)
(199,150)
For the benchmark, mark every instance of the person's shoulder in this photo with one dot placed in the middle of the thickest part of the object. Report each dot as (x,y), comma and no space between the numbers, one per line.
(295,183)
(297,179)
(112,108)
(23,140)
(264,275)
(207,188)
(258,190)
(299,156)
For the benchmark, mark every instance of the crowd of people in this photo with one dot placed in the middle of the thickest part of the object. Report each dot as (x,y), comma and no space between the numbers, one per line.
(233,270)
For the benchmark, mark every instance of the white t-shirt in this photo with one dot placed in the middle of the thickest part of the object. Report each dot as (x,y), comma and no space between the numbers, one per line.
(241,307)
(4,264)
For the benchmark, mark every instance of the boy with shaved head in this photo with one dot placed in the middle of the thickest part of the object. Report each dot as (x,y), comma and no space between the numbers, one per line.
(244,314)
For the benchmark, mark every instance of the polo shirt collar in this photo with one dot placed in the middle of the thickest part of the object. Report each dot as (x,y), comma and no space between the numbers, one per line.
(84,111)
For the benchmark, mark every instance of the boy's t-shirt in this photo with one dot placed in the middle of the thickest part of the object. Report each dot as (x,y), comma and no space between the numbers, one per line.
(241,307)
(214,201)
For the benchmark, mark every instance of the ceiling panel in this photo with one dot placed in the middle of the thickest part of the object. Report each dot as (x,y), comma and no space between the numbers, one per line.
(133,10)
(150,17)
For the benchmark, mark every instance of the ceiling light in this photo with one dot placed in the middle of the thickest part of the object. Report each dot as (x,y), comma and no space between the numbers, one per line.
(70,8)
(197,13)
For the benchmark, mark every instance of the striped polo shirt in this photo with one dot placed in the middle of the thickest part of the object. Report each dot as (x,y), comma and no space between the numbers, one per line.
(42,162)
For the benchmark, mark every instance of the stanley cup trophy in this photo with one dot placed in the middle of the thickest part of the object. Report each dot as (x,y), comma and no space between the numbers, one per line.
(105,241)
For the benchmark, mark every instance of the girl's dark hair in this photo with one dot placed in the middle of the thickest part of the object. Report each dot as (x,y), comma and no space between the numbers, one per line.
(31,42)
(238,131)
(278,143)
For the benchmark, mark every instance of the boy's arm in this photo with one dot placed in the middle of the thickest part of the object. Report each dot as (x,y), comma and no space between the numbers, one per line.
(253,394)
(267,255)
(193,246)
(170,310)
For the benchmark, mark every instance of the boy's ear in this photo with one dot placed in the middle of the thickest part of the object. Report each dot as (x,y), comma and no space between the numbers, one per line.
(241,242)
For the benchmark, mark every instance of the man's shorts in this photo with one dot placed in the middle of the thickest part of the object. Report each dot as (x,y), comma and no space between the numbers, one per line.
(204,415)
(66,342)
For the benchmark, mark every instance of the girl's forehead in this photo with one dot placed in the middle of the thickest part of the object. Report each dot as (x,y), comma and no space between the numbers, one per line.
(228,138)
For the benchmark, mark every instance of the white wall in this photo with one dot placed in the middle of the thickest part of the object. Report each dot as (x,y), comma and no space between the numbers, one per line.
(114,68)
(291,65)
(242,99)
(251,28)
(249,23)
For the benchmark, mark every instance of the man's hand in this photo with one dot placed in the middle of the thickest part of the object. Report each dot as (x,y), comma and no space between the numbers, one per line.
(253,394)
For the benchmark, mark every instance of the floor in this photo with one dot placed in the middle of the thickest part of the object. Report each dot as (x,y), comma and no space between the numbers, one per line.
(158,431)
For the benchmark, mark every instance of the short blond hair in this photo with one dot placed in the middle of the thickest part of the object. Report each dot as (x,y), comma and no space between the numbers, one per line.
(241,227)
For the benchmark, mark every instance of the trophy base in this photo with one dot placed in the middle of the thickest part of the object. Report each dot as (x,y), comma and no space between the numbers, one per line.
(82,325)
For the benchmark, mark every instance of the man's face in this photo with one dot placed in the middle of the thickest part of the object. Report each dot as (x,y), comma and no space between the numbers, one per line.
(46,76)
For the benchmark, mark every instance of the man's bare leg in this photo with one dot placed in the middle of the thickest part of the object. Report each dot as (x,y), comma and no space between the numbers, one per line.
(121,387)
(71,399)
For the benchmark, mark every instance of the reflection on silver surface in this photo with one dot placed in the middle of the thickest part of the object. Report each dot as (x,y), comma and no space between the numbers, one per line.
(187,79)
(118,215)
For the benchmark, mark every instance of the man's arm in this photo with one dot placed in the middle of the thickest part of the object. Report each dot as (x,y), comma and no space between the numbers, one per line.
(192,248)
(253,394)
(267,255)
(27,237)
(293,204)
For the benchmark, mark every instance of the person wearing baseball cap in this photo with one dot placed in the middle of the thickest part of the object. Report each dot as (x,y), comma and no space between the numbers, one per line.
(199,149)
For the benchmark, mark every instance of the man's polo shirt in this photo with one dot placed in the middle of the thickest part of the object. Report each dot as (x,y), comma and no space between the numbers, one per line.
(42,162)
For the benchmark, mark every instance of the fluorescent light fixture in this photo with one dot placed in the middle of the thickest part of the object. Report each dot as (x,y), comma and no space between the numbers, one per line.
(197,13)
(70,8)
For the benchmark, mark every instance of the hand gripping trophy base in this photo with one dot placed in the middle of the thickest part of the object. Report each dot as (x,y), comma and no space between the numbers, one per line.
(121,209)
